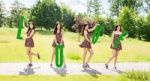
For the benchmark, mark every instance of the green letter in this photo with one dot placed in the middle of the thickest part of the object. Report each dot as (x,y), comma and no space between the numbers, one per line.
(119,38)
(59,55)
(96,34)
(20,26)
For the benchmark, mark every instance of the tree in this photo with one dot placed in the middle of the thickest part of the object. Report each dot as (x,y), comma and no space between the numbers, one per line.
(147,9)
(67,17)
(127,19)
(15,13)
(46,13)
(93,7)
(145,30)
(1,14)
(117,5)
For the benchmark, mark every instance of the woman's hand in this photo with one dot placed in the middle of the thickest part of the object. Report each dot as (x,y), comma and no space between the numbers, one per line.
(23,38)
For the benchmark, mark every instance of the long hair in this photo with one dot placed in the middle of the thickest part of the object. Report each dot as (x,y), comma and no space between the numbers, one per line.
(29,29)
(83,28)
(117,27)
(55,28)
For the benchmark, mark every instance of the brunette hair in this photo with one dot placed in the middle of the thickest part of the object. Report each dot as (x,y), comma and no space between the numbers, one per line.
(117,27)
(83,28)
(29,29)
(55,28)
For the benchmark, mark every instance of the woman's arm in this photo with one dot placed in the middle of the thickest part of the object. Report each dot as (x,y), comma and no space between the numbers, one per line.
(55,39)
(112,35)
(31,34)
(62,32)
(85,36)
(90,30)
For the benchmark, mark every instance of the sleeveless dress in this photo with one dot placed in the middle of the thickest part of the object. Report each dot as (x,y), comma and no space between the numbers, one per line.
(85,43)
(58,39)
(29,42)
(116,35)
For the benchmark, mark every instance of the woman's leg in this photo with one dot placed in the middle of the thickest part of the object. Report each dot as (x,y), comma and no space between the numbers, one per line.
(53,53)
(29,54)
(91,54)
(33,53)
(84,55)
(113,55)
(116,56)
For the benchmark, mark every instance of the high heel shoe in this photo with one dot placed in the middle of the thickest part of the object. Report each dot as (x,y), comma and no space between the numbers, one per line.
(84,66)
(115,67)
(87,65)
(51,65)
(30,64)
(38,56)
(106,66)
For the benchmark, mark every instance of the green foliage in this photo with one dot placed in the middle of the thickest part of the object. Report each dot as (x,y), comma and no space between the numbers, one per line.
(138,75)
(46,14)
(117,5)
(127,19)
(67,17)
(145,30)
(16,11)
(108,24)
(93,7)
(1,14)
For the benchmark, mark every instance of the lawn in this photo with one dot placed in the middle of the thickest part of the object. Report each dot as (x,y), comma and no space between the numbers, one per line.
(13,50)
(129,76)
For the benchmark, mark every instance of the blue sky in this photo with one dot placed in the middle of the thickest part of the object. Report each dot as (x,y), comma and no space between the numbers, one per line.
(76,5)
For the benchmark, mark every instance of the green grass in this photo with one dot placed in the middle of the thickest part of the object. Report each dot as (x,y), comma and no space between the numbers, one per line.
(57,78)
(13,50)
(129,76)
(138,75)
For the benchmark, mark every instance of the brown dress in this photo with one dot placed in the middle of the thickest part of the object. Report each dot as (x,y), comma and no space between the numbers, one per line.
(29,42)
(58,39)
(85,43)
(116,35)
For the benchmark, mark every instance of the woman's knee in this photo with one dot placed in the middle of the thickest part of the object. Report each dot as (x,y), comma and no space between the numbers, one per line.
(91,51)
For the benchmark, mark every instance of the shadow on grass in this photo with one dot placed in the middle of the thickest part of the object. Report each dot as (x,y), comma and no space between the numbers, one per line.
(94,73)
(4,41)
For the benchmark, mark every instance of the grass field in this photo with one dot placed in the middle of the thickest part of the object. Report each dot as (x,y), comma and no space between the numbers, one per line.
(13,50)
(129,76)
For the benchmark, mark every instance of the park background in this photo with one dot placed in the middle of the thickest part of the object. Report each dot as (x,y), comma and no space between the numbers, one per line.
(132,15)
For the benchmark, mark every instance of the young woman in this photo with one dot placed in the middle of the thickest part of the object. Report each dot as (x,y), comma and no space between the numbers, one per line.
(115,51)
(58,39)
(29,43)
(86,45)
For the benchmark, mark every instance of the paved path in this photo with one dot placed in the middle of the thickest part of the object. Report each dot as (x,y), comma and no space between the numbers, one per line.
(72,68)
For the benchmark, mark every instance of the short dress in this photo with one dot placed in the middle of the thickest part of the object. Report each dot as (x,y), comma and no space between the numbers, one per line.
(58,39)
(29,42)
(116,35)
(85,43)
